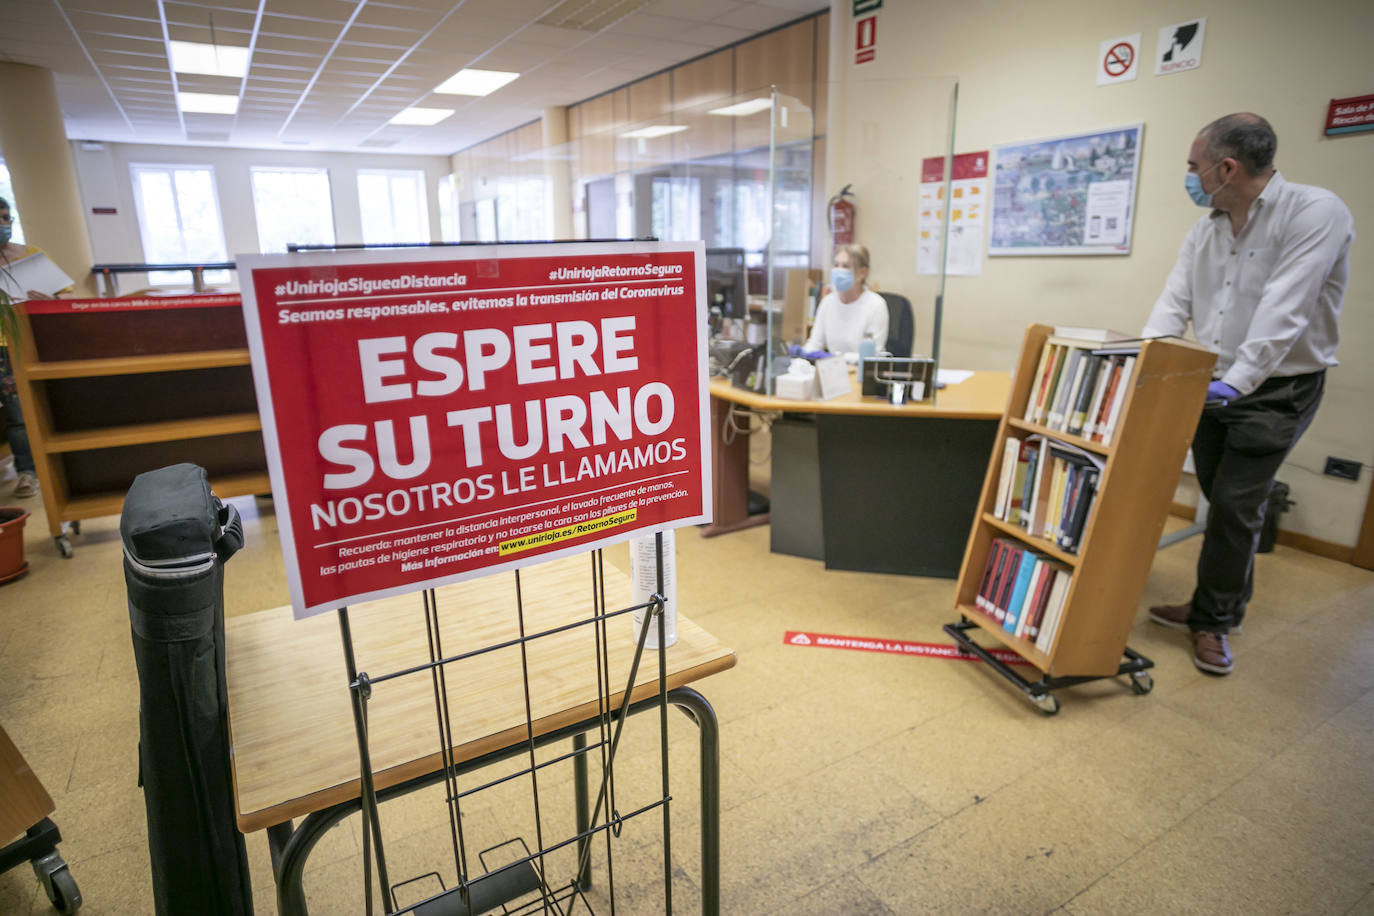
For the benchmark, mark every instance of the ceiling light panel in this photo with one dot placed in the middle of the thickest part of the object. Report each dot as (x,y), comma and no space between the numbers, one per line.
(740,109)
(470,81)
(656,130)
(207,103)
(422,117)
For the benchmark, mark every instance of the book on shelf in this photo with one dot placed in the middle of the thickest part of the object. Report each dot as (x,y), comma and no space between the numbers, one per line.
(1052,613)
(1050,490)
(1077,385)
(1019,589)
(1090,335)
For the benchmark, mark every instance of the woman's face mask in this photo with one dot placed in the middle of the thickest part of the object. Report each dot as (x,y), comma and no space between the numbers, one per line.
(842,278)
(5,232)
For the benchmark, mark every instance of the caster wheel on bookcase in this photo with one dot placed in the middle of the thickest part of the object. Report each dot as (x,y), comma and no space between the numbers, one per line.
(1047,703)
(1141,682)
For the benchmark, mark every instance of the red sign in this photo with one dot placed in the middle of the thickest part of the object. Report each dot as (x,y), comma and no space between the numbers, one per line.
(865,39)
(1347,116)
(894,647)
(436,415)
(1118,59)
(138,304)
(966,166)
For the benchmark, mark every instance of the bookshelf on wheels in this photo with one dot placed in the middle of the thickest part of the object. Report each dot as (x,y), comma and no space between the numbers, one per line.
(1087,457)
(111,388)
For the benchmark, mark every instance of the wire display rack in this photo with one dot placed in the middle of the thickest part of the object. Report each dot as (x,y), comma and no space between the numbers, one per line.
(550,871)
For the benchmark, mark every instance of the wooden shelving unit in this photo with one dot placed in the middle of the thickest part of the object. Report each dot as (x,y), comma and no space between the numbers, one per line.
(1141,469)
(108,394)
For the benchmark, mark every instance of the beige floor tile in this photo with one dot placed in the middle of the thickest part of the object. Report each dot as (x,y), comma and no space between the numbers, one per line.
(1364,906)
(1016,852)
(852,782)
(1282,689)
(811,830)
(845,894)
(1220,862)
(1317,796)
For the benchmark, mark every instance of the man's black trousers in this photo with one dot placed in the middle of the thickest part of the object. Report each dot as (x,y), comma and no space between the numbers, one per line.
(1237,451)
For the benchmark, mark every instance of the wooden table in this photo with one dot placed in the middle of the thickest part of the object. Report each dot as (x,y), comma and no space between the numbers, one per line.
(871,486)
(288,689)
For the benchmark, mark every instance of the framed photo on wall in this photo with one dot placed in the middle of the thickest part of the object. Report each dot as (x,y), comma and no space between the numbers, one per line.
(1073,194)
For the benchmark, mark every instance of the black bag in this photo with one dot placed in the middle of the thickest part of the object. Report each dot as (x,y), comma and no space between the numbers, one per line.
(177,536)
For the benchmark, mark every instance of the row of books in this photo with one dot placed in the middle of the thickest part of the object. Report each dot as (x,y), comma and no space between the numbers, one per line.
(1048,488)
(1024,591)
(1081,386)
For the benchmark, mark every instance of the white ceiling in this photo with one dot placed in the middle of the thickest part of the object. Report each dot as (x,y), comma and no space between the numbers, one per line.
(328,74)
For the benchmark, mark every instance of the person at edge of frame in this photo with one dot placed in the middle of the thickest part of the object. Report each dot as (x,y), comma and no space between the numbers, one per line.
(1261,277)
(16,432)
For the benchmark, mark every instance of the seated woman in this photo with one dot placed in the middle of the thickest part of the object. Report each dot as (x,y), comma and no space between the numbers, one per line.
(851,312)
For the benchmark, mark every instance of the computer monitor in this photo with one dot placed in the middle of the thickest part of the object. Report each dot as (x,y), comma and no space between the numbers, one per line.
(726,285)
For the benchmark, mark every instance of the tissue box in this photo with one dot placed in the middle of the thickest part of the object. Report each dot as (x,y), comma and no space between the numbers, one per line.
(795,388)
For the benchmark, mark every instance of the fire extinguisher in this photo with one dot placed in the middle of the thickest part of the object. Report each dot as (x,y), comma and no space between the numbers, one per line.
(840,216)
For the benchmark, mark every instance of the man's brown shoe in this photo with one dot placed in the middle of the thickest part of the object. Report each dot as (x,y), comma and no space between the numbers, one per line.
(1171,615)
(1211,653)
(1175,616)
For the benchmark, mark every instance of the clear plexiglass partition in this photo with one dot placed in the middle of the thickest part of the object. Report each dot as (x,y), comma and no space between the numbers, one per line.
(750,174)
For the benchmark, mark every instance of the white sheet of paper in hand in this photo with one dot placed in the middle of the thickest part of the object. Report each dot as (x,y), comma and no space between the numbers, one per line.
(34,272)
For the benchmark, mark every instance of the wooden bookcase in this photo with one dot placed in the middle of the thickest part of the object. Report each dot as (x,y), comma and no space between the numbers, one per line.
(112,390)
(1142,465)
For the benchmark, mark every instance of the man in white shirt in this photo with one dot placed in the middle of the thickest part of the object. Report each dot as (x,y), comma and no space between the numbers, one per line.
(1261,278)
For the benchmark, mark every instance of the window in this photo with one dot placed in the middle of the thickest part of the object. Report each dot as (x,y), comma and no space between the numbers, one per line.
(676,209)
(178,218)
(448,209)
(7,192)
(292,206)
(393,206)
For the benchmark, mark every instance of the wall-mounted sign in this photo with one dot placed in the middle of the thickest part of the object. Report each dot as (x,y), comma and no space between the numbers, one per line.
(432,415)
(1118,59)
(1180,47)
(865,39)
(866,6)
(1348,116)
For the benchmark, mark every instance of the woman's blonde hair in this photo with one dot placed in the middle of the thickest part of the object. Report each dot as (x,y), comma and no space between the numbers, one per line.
(858,255)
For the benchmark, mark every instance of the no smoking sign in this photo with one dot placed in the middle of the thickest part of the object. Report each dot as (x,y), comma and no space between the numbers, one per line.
(1118,59)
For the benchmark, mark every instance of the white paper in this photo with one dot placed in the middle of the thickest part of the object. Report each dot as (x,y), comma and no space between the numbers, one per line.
(967,214)
(833,376)
(952,376)
(1108,205)
(33,272)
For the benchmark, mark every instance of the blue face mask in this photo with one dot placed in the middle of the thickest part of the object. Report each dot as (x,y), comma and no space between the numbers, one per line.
(1192,183)
(842,278)
(5,232)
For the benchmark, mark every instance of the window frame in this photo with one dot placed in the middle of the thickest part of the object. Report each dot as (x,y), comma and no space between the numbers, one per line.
(175,277)
(423,198)
(311,169)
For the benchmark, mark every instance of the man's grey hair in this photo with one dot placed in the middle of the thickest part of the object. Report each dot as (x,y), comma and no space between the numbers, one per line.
(1244,137)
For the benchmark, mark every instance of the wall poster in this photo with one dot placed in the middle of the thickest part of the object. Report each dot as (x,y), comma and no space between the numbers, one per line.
(1066,195)
(433,415)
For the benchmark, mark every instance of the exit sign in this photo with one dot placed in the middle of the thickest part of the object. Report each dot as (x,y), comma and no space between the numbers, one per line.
(866,6)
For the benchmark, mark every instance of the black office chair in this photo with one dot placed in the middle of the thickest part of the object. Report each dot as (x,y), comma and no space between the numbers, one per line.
(901,326)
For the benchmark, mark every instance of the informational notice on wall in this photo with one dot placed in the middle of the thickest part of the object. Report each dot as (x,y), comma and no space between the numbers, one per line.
(1066,195)
(433,415)
(968,205)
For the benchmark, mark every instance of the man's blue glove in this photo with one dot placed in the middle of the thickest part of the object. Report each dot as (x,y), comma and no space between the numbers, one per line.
(1220,391)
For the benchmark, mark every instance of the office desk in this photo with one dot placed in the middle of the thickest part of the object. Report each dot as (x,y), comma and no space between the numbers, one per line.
(874,487)
(294,752)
